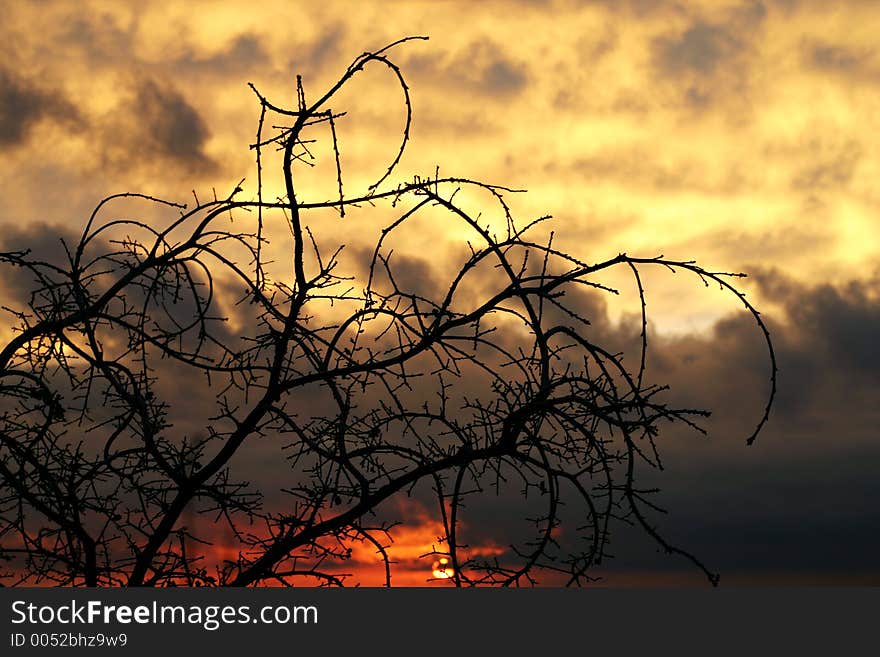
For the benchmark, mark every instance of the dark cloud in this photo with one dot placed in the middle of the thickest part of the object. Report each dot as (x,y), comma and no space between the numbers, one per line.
(23,105)
(799,503)
(594,47)
(412,274)
(748,14)
(157,127)
(764,521)
(836,325)
(104,42)
(830,167)
(172,125)
(842,62)
(245,53)
(51,244)
(502,77)
(708,58)
(824,338)
(835,58)
(637,7)
(701,48)
(467,121)
(770,245)
(796,506)
(326,48)
(44,241)
(482,68)
(799,500)
(98,36)
(697,98)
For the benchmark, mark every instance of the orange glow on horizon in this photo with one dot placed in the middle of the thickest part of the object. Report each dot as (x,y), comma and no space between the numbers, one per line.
(415,550)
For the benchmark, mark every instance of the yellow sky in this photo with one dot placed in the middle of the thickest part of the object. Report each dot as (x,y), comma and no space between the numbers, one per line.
(740,134)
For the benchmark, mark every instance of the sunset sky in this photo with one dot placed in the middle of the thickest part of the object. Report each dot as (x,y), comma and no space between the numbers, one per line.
(742,135)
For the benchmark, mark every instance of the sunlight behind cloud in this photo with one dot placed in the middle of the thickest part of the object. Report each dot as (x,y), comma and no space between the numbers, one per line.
(647,134)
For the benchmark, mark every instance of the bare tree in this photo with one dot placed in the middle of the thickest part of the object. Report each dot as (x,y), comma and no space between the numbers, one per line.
(367,387)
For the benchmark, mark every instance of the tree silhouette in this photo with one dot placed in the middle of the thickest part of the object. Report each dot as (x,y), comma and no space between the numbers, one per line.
(367,387)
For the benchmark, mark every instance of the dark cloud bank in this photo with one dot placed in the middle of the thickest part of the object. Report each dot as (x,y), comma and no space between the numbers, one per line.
(800,504)
(24,104)
(797,506)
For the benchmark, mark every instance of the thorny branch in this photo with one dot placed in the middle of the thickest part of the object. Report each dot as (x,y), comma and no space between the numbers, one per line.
(368,393)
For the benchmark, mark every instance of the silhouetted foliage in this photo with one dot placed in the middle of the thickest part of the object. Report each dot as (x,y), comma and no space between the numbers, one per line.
(368,387)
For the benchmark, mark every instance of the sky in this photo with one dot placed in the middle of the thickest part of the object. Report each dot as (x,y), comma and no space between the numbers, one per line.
(742,135)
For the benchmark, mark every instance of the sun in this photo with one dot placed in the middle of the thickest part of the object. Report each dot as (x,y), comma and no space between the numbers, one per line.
(442,569)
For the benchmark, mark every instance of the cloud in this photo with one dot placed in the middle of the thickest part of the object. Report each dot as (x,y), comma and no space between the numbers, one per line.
(708,58)
(637,7)
(773,507)
(502,77)
(173,126)
(831,166)
(100,38)
(798,500)
(323,50)
(156,127)
(245,53)
(412,274)
(701,48)
(835,57)
(23,105)
(836,325)
(482,67)
(105,41)
(813,462)
(638,166)
(823,335)
(50,244)
(841,61)
(44,242)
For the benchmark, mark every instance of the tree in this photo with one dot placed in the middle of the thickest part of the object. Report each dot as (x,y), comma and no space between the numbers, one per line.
(369,387)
